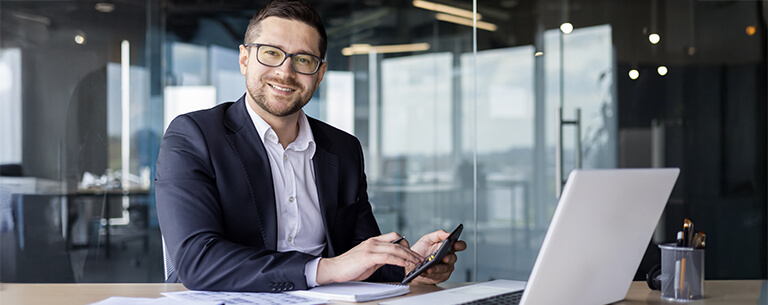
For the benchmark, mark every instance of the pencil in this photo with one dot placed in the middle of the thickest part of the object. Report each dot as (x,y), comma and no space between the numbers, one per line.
(682,278)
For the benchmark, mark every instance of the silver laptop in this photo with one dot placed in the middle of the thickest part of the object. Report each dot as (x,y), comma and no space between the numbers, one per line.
(597,237)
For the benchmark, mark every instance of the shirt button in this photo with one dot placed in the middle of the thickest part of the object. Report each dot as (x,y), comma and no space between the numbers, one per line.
(271,136)
(290,199)
(290,239)
(285,157)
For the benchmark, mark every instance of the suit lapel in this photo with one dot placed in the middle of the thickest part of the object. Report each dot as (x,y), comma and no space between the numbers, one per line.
(326,165)
(250,151)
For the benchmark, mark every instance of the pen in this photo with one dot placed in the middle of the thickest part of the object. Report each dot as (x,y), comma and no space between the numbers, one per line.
(679,238)
(682,278)
(677,279)
(691,232)
(699,241)
(398,240)
(686,233)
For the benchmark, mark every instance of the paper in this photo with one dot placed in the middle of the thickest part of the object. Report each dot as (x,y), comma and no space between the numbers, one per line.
(239,298)
(149,301)
(353,291)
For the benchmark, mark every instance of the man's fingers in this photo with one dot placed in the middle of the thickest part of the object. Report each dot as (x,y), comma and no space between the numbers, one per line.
(450,258)
(389,237)
(402,252)
(388,248)
(460,245)
(435,237)
(388,259)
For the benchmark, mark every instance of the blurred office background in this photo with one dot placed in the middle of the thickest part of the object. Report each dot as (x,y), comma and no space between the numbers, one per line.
(459,124)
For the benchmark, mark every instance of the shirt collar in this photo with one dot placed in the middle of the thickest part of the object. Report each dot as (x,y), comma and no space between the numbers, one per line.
(305,140)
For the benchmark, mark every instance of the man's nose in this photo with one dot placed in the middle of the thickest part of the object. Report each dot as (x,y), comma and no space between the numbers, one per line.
(286,67)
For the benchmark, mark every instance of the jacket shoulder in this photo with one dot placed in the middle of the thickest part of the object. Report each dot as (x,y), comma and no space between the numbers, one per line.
(322,129)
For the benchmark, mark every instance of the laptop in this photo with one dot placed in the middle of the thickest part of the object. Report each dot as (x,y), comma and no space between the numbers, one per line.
(593,247)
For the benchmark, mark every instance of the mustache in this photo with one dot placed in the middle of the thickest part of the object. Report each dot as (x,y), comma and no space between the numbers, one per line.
(288,81)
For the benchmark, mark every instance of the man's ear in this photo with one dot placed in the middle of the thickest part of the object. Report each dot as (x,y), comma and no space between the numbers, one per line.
(243,59)
(320,74)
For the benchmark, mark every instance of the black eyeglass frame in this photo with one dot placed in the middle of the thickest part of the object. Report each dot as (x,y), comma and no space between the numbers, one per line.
(287,55)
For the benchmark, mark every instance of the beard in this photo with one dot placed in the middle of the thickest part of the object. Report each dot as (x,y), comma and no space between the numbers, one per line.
(259,95)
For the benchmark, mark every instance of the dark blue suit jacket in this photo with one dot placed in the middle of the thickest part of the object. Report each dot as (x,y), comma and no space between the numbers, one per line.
(216,202)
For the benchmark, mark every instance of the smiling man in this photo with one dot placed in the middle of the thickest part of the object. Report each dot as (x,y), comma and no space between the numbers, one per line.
(254,195)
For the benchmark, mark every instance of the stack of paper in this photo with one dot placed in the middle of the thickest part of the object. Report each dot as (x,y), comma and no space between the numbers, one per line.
(353,291)
(242,298)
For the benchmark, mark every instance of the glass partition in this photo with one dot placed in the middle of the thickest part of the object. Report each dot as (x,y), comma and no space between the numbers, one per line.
(459,124)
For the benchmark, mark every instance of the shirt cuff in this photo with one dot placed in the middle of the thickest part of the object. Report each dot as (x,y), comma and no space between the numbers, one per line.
(310,272)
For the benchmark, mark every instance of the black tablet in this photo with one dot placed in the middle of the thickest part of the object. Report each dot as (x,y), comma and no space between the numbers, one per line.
(436,256)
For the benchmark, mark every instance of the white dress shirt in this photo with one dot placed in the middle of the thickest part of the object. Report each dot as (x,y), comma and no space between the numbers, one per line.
(299,219)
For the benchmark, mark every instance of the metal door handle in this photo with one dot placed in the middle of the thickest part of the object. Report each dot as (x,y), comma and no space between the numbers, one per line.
(560,182)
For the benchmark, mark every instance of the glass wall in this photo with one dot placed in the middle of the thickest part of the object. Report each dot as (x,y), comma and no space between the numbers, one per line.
(459,124)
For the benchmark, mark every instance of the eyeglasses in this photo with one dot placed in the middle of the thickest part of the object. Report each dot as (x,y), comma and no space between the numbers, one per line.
(272,56)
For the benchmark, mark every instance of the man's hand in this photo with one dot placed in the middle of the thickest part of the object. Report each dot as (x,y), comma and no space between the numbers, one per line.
(439,272)
(361,261)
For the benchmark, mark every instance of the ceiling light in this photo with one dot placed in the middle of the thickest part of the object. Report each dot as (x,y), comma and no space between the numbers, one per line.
(397,48)
(634,74)
(654,38)
(539,53)
(465,21)
(566,27)
(80,38)
(445,9)
(35,18)
(751,30)
(104,7)
(662,70)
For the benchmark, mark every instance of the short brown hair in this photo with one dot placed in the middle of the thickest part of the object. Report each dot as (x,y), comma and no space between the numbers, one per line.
(289,9)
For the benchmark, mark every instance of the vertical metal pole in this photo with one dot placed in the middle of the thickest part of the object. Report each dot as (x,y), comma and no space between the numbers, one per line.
(559,153)
(559,148)
(373,115)
(474,94)
(577,153)
(125,67)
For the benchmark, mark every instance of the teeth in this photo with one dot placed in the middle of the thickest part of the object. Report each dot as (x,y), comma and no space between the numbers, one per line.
(281,88)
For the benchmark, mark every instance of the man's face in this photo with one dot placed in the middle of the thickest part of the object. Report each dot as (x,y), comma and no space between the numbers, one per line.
(280,91)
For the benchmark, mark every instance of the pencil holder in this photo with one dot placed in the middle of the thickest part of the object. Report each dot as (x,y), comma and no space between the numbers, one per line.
(682,273)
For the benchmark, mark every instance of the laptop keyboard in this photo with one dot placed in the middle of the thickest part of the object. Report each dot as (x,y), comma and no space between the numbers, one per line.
(509,298)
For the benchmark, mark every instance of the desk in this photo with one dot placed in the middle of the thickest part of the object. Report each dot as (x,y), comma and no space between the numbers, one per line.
(717,292)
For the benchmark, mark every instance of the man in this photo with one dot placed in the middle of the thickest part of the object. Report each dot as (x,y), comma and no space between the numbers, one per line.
(256,196)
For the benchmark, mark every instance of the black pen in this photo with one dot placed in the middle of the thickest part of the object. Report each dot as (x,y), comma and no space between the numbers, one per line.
(398,240)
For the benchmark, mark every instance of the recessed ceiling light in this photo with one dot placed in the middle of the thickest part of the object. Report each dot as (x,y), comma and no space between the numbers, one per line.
(567,27)
(80,37)
(654,38)
(634,74)
(539,53)
(751,30)
(104,7)
(662,70)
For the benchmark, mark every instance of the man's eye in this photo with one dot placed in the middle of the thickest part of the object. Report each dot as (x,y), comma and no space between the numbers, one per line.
(271,53)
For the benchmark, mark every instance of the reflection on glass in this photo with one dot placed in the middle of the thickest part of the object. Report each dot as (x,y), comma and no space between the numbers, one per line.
(505,144)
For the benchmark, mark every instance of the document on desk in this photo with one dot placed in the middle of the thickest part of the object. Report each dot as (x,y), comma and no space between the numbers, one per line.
(242,298)
(149,301)
(354,291)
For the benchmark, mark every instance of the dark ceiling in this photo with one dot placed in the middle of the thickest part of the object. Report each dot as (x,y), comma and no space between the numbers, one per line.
(714,29)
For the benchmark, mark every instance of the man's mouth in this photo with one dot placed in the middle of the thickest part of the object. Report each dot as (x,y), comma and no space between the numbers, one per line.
(283,89)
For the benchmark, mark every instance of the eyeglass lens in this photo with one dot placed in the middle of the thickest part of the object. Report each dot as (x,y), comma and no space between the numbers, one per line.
(302,63)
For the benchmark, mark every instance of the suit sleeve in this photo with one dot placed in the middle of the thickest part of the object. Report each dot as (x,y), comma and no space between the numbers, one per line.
(190,216)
